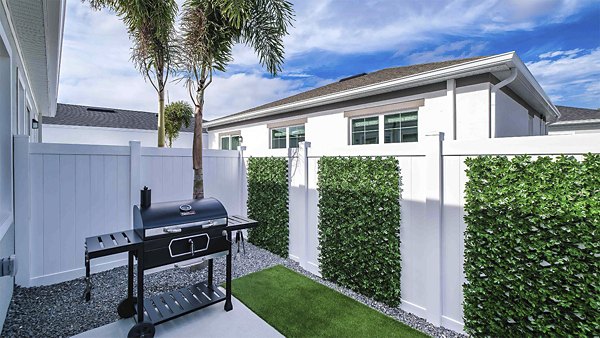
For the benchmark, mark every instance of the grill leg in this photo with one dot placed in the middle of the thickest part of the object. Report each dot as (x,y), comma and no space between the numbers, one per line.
(88,282)
(210,274)
(140,286)
(228,304)
(130,276)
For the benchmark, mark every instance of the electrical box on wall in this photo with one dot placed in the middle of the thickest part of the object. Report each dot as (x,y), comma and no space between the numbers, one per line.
(8,266)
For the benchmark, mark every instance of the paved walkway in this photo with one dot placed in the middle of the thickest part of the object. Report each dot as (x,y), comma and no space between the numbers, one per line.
(211,321)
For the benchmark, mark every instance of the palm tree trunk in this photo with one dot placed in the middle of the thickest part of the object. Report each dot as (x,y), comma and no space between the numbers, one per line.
(161,118)
(197,146)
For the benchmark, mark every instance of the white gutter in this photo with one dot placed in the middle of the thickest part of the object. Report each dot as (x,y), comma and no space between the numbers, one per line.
(489,64)
(562,123)
(494,90)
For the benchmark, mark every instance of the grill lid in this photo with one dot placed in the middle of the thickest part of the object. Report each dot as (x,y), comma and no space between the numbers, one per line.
(178,212)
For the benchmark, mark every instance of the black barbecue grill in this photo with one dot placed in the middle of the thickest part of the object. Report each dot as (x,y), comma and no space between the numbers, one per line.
(192,232)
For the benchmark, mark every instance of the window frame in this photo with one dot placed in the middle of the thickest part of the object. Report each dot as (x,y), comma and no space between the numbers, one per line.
(381,126)
(351,129)
(229,137)
(287,136)
(401,128)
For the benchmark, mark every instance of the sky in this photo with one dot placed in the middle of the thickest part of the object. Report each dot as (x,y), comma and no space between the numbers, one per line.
(559,40)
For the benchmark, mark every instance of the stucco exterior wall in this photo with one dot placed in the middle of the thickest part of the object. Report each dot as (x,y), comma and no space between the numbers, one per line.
(511,118)
(472,112)
(471,120)
(329,128)
(110,136)
(15,97)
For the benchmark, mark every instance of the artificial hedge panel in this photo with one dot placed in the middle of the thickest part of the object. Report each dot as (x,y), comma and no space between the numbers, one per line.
(268,203)
(359,224)
(532,247)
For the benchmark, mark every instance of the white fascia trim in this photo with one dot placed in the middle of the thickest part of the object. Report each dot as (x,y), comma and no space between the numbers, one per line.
(575,122)
(488,64)
(536,89)
(20,52)
(125,130)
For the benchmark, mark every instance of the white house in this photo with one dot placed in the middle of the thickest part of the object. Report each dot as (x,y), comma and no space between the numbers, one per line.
(30,48)
(467,99)
(79,124)
(575,120)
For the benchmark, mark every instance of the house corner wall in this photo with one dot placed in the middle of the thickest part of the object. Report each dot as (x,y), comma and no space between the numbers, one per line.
(473,111)
(512,119)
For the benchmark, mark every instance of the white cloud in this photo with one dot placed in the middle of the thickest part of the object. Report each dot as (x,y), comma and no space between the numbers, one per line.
(359,26)
(96,70)
(571,52)
(447,51)
(569,76)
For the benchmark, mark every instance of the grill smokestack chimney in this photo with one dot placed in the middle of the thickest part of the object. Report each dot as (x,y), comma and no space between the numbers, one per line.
(145,198)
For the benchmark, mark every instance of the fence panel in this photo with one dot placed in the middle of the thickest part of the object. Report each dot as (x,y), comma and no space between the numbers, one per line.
(78,191)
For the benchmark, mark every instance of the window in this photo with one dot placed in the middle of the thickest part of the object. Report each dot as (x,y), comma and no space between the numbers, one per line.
(281,137)
(296,136)
(225,143)
(230,142)
(401,127)
(365,130)
(278,138)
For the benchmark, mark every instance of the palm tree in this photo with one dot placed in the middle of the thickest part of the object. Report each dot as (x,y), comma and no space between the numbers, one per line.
(151,28)
(209,29)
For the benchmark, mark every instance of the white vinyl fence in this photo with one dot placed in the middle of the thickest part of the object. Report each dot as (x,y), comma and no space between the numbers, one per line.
(433,180)
(75,191)
(68,192)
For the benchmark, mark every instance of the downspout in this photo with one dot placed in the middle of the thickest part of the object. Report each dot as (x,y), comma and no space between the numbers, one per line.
(493,91)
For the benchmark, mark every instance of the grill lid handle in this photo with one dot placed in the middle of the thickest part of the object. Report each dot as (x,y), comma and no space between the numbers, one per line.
(172,230)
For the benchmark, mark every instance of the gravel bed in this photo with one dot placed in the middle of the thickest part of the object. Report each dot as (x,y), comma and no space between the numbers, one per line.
(59,310)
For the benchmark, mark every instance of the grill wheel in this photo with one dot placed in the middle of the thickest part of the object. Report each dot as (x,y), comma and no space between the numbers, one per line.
(126,308)
(143,329)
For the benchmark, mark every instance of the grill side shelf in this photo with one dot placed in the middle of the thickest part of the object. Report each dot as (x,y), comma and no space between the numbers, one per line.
(237,222)
(113,243)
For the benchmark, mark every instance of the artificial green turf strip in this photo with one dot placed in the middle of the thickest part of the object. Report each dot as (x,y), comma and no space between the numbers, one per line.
(299,307)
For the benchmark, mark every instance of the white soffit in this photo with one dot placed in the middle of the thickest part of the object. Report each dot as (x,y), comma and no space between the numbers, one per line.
(27,17)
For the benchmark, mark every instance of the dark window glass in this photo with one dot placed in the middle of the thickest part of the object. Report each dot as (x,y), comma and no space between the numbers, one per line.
(296,136)
(235,142)
(365,130)
(278,137)
(401,128)
(225,143)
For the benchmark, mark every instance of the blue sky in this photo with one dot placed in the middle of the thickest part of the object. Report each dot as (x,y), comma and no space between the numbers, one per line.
(558,40)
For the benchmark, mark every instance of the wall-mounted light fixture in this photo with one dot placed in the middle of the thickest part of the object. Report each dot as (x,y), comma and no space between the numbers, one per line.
(241,139)
(34,124)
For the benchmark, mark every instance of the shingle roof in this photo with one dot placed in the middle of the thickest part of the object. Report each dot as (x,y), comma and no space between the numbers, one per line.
(360,81)
(576,114)
(77,115)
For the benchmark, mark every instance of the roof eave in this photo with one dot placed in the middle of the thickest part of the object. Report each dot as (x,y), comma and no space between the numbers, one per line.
(489,64)
(536,89)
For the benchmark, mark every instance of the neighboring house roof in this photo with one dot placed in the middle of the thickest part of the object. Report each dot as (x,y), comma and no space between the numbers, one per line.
(396,78)
(361,80)
(574,115)
(85,116)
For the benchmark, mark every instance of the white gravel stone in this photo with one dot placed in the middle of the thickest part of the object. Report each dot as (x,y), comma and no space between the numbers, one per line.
(59,310)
